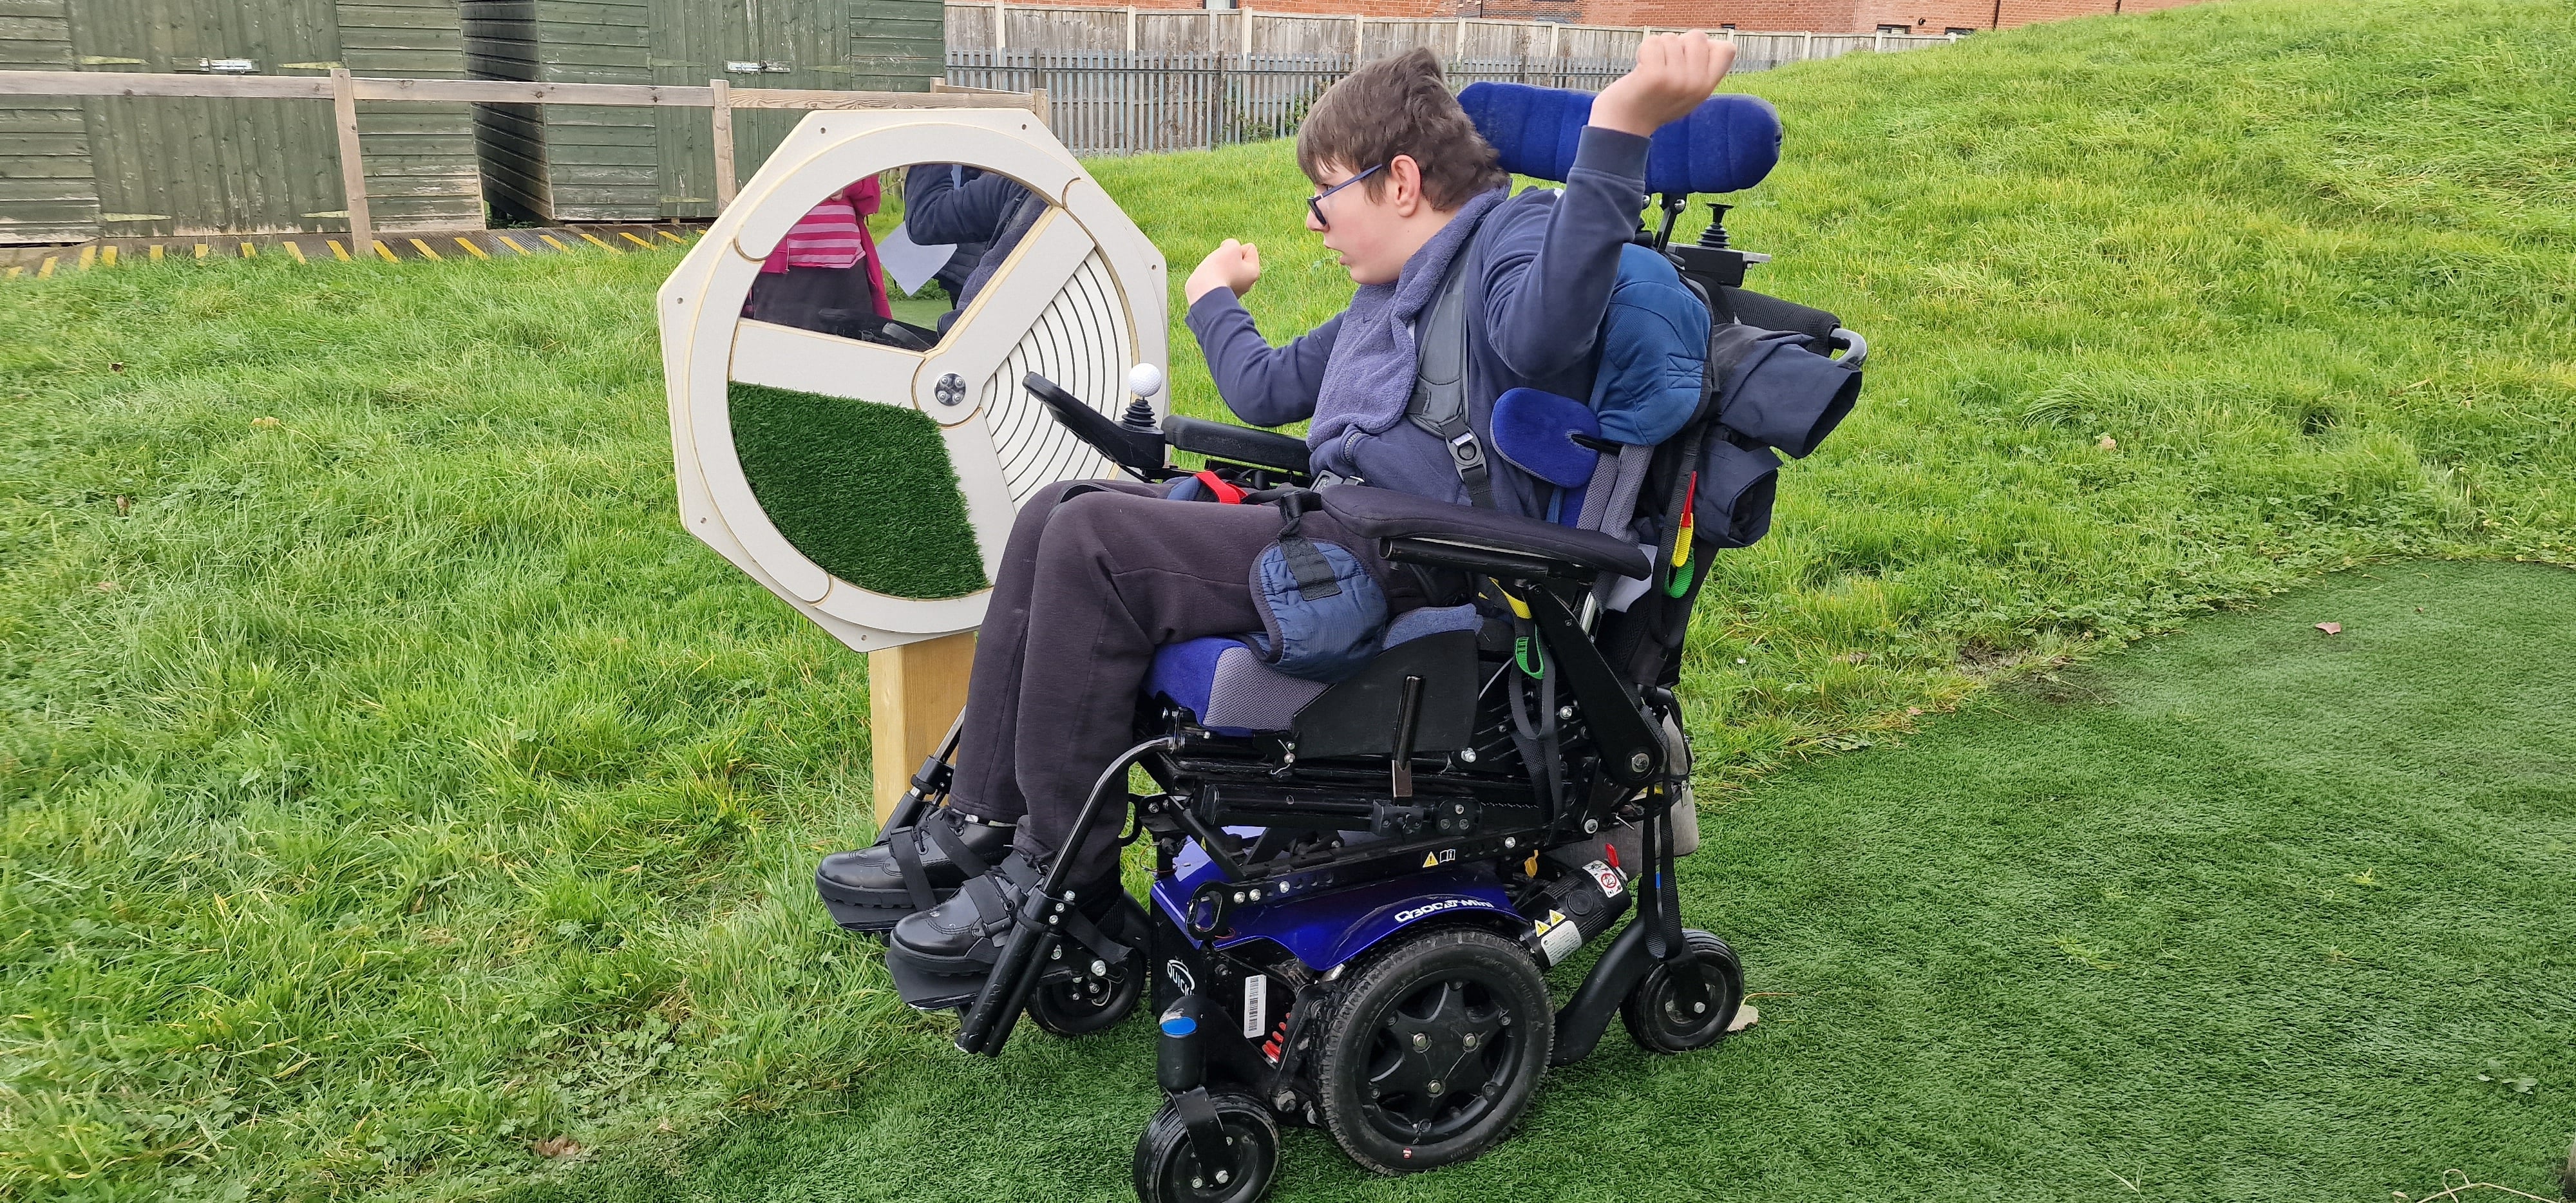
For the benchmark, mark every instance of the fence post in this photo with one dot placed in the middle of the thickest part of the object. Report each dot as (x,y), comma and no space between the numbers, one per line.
(1359,38)
(721,121)
(1879,42)
(1000,21)
(353,170)
(1131,31)
(1247,35)
(1555,36)
(1806,46)
(1461,51)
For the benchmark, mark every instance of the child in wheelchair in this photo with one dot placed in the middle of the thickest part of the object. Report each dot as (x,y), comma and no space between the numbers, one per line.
(1408,707)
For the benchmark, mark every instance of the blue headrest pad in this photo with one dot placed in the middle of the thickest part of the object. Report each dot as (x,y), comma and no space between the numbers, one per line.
(1728,143)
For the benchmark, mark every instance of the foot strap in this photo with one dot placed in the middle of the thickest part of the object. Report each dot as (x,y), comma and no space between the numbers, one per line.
(954,845)
(906,847)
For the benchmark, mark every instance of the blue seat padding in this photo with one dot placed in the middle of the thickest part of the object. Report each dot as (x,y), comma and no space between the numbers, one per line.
(1728,143)
(1534,430)
(1232,692)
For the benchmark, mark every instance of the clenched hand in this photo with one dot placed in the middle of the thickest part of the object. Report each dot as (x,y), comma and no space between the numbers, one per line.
(1232,265)
(1674,73)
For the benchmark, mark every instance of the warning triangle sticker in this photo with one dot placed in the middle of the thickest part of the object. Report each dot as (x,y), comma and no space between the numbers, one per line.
(1430,860)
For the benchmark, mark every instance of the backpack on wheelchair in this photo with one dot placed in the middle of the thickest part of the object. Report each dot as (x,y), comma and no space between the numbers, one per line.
(1360,881)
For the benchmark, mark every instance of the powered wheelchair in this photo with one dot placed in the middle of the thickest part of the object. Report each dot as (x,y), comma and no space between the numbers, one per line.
(1358,886)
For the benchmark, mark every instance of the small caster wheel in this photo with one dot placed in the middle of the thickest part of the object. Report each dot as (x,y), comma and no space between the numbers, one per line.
(1088,1002)
(1665,1016)
(1168,1169)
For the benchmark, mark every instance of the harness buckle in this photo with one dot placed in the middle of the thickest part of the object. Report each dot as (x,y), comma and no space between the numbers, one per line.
(1466,450)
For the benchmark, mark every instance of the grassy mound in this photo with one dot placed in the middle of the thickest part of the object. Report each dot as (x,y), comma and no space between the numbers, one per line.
(387,782)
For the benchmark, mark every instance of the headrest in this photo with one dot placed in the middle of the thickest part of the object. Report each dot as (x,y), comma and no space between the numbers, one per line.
(1729,142)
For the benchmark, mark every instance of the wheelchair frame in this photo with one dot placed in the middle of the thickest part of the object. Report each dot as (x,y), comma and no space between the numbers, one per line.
(1457,835)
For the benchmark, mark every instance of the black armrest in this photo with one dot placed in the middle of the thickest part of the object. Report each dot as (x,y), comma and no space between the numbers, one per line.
(1385,514)
(1236,444)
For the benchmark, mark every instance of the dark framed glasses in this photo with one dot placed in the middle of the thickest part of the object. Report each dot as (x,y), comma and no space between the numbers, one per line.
(1315,203)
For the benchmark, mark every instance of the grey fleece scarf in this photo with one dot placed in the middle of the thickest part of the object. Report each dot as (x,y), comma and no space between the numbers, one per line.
(1369,377)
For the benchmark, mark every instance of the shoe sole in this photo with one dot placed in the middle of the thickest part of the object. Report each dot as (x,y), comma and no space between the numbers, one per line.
(865,920)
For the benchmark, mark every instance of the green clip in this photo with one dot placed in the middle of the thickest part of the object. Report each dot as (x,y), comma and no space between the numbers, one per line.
(1524,653)
(1680,580)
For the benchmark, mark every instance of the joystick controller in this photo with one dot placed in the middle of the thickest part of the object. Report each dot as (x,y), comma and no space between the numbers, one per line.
(1143,381)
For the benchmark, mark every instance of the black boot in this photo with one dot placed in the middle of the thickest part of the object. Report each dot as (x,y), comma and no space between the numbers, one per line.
(909,869)
(963,936)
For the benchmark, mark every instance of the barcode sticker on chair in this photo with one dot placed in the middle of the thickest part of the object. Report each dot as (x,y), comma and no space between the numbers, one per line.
(1256,1005)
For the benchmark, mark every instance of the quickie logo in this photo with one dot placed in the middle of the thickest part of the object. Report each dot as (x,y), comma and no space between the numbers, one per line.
(1444,904)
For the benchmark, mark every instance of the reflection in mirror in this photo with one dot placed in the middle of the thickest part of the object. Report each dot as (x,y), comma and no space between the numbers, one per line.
(893,257)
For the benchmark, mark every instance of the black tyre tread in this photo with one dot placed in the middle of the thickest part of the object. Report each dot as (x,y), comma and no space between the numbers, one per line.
(1165,1132)
(1642,1027)
(1395,962)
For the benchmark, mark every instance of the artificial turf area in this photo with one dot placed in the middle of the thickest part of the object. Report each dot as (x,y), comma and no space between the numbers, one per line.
(2251,912)
(390,790)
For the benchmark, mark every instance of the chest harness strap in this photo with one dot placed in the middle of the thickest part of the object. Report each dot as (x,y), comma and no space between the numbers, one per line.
(1439,403)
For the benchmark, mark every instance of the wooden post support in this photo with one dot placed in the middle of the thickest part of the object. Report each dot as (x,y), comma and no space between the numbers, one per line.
(914,692)
(722,119)
(1001,40)
(1247,35)
(1131,30)
(1039,105)
(1359,39)
(353,169)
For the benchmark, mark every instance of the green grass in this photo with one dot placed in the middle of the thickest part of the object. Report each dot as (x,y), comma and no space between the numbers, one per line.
(2249,913)
(866,491)
(388,781)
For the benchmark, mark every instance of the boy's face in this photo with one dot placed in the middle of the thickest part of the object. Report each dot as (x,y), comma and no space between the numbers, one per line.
(1374,235)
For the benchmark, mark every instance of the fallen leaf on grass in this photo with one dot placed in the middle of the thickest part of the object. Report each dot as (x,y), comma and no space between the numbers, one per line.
(2107,443)
(557,1147)
(2331,628)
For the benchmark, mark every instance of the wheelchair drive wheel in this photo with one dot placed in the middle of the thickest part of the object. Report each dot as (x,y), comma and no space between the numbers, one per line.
(1094,1001)
(1433,1051)
(1667,1013)
(1169,1169)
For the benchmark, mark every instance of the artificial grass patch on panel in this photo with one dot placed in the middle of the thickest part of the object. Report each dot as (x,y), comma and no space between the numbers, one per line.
(865,491)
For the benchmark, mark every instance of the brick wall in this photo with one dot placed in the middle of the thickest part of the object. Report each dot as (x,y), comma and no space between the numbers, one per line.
(1851,16)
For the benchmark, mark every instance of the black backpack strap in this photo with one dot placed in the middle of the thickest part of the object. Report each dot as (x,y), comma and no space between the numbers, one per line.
(1439,403)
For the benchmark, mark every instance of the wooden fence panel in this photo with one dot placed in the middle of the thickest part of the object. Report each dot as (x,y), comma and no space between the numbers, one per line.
(1137,81)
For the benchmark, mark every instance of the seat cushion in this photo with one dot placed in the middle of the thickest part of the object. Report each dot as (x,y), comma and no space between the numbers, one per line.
(1233,693)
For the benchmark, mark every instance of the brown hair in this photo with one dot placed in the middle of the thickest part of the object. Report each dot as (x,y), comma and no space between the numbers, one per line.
(1399,106)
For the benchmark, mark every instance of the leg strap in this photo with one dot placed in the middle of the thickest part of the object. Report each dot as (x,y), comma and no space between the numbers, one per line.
(1084,932)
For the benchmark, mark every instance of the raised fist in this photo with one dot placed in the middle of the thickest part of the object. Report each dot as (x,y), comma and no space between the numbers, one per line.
(1232,265)
(1674,72)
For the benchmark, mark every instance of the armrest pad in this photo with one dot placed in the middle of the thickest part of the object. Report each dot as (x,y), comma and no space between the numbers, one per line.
(1386,514)
(1237,444)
